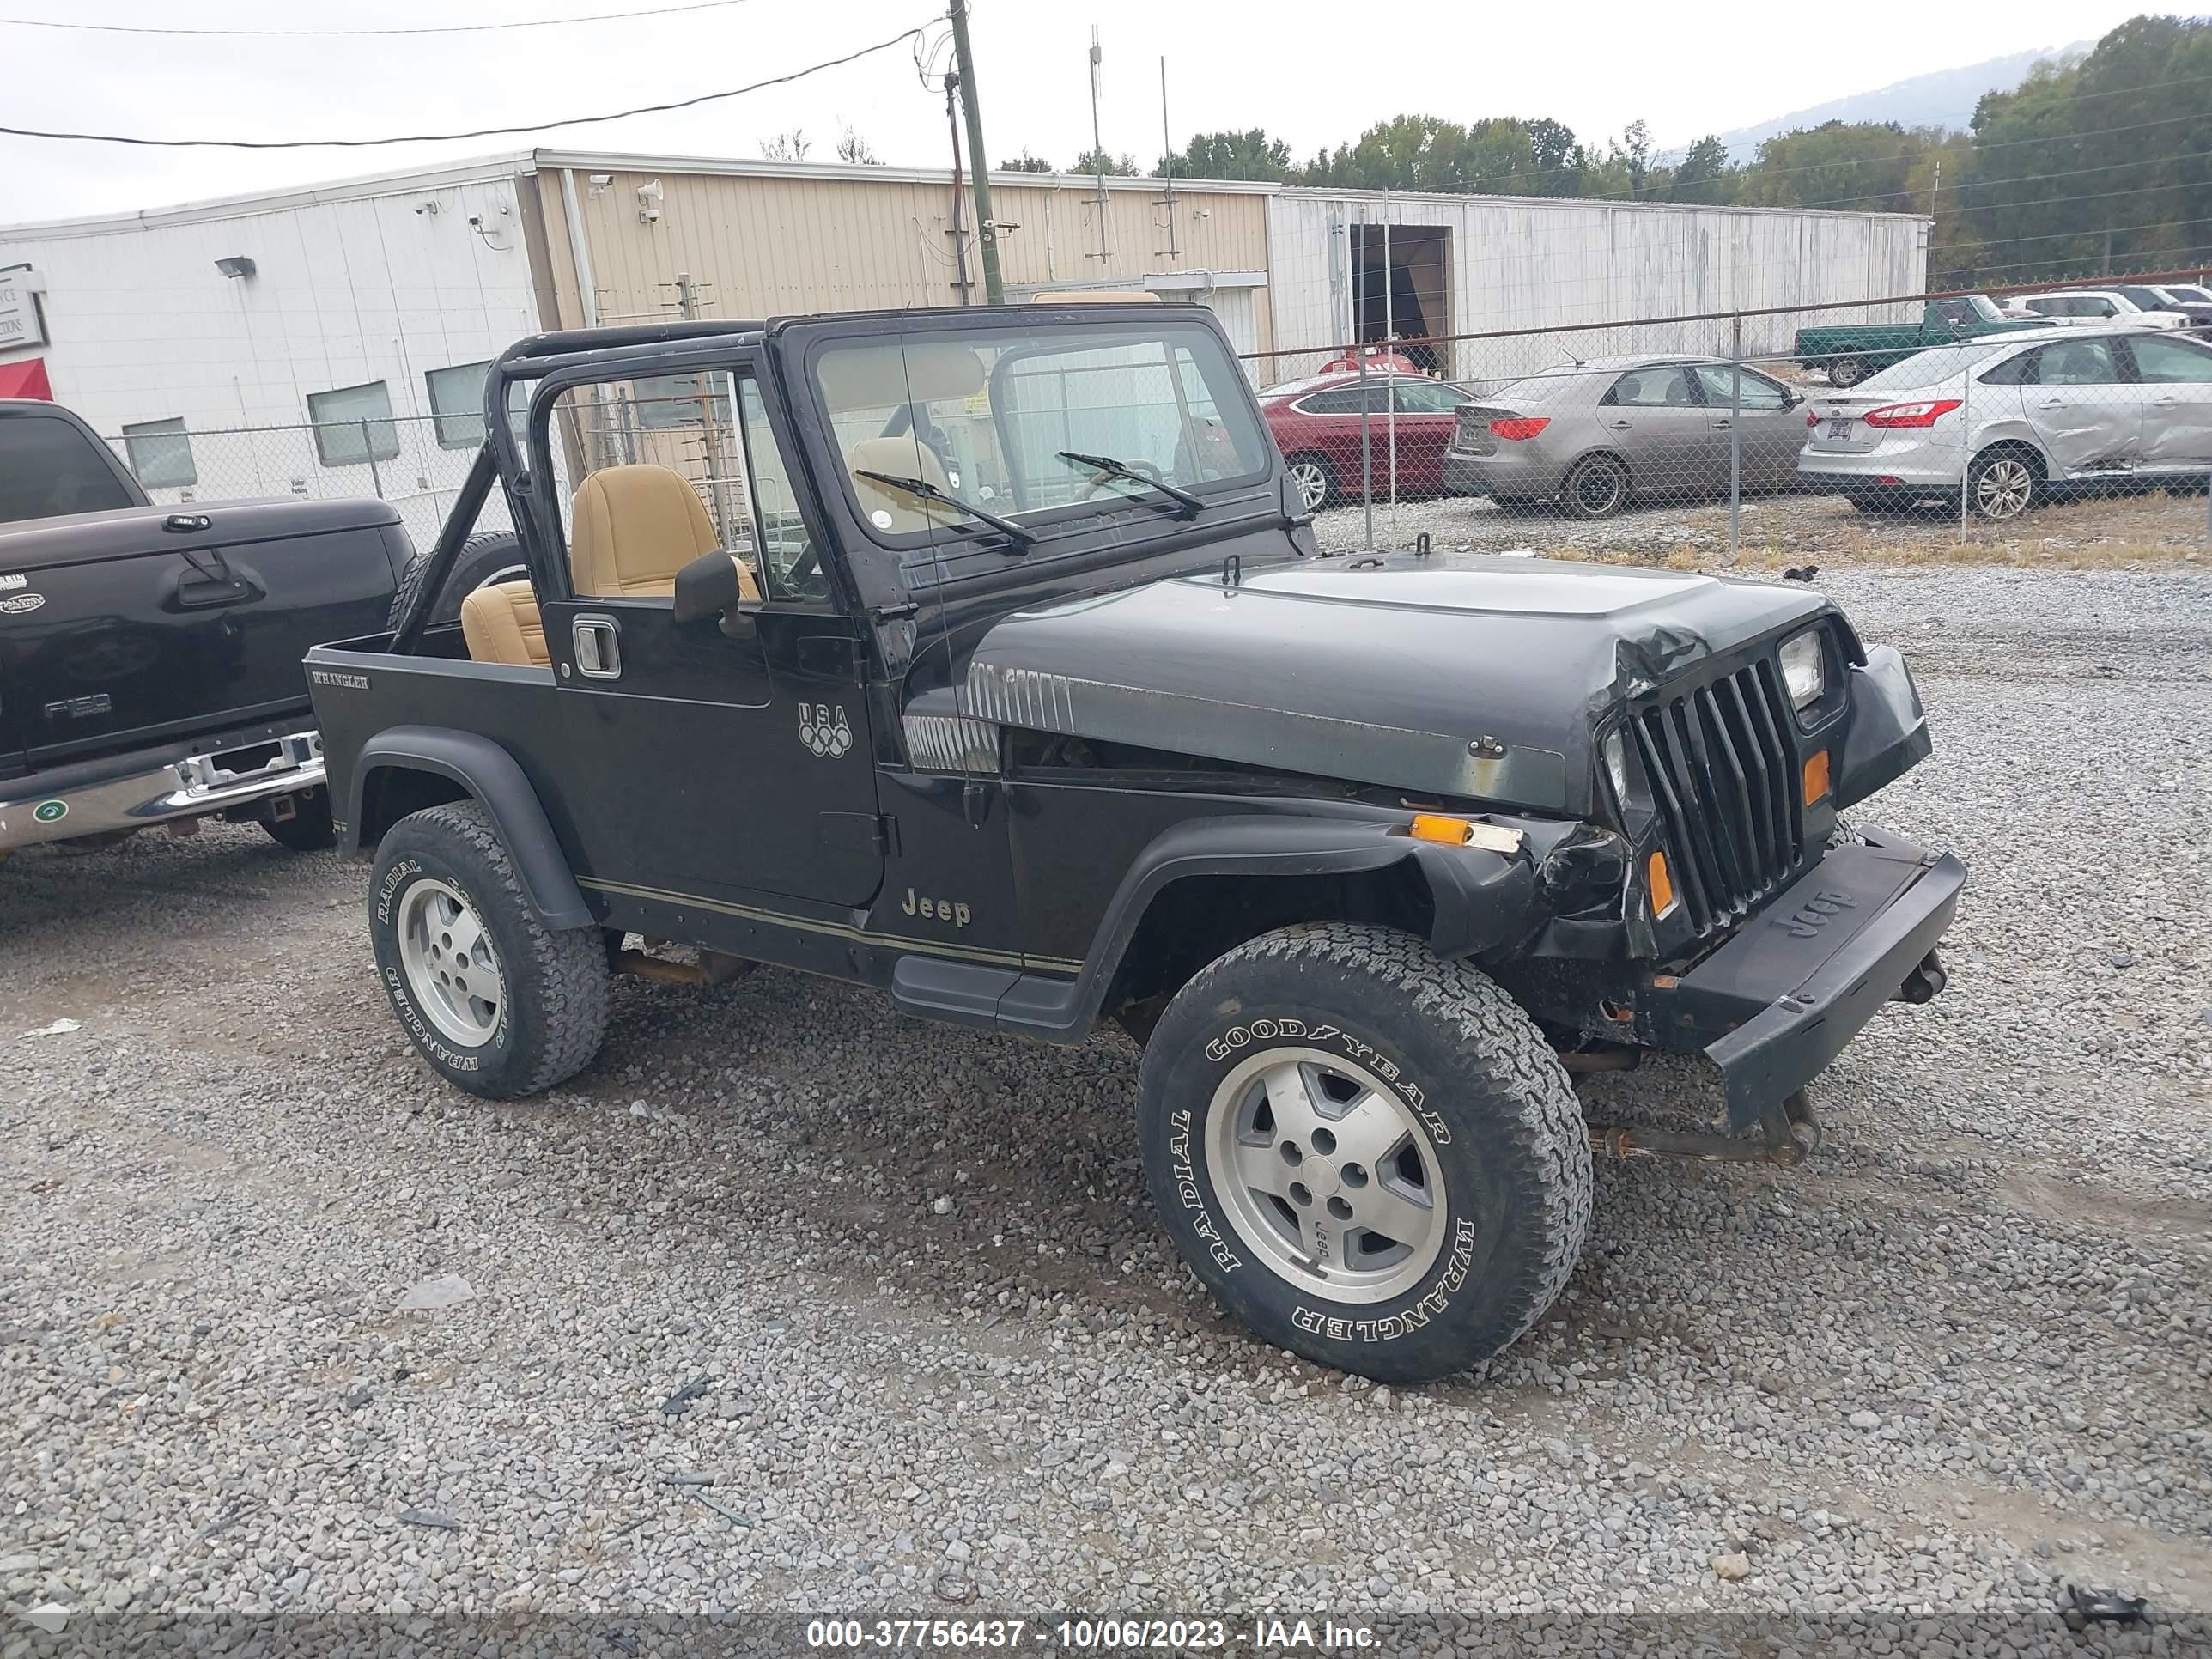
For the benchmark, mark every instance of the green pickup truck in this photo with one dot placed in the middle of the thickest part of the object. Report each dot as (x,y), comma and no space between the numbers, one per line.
(1851,351)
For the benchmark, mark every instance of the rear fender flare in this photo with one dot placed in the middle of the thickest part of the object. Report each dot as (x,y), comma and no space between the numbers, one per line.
(496,780)
(1478,899)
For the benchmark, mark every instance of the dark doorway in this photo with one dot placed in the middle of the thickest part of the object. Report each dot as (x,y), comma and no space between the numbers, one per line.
(1410,296)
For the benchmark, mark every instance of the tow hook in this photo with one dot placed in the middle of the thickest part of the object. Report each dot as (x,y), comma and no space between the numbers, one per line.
(1923,982)
(1790,1134)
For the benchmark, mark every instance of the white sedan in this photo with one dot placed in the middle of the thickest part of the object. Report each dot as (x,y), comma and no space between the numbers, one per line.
(2016,420)
(2099,307)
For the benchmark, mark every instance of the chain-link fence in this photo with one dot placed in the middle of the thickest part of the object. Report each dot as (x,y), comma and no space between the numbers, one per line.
(415,463)
(1972,411)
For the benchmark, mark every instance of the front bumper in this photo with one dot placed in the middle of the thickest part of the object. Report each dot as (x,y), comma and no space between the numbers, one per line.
(1780,1000)
(195,787)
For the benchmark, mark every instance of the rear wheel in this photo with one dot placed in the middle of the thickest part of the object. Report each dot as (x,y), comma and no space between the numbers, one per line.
(499,1003)
(2002,483)
(1597,488)
(1369,1153)
(1315,477)
(1849,371)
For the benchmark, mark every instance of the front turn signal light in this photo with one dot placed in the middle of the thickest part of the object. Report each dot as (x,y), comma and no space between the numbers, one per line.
(1464,832)
(1816,777)
(1662,884)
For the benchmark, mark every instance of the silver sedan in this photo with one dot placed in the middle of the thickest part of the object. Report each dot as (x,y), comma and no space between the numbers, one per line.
(1596,436)
(2017,420)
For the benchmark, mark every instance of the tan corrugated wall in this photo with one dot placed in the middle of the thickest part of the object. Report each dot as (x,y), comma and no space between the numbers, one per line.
(769,247)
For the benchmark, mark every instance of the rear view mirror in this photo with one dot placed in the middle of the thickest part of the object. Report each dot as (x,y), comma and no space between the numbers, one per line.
(706,587)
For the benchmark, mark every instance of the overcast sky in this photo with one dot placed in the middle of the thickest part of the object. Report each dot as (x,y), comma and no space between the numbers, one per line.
(1313,73)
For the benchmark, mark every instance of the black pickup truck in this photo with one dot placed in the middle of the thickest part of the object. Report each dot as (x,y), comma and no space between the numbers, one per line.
(986,657)
(149,656)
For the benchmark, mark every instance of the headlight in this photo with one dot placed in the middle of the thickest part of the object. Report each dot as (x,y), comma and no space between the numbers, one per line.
(1804,668)
(1616,764)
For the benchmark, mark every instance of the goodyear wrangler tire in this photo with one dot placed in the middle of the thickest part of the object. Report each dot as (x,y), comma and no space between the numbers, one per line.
(500,1004)
(1369,1153)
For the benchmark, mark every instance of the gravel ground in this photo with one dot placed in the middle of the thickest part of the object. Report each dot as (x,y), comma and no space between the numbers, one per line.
(897,1289)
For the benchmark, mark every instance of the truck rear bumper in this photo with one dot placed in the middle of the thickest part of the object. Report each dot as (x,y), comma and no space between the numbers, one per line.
(1781,999)
(197,786)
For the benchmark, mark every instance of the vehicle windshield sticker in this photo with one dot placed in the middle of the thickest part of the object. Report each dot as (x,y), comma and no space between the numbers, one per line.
(823,731)
(881,520)
(18,603)
(51,811)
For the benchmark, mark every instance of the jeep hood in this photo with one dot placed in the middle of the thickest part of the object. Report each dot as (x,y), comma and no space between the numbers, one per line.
(1459,675)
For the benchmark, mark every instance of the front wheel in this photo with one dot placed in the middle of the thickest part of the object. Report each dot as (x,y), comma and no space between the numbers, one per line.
(1369,1153)
(499,1003)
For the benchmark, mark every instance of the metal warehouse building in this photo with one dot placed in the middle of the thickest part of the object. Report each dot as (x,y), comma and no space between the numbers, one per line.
(332,340)
(1469,265)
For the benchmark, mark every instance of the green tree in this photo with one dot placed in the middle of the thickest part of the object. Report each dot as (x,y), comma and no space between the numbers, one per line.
(1026,162)
(2102,164)
(1705,174)
(1117,167)
(1251,154)
(1862,165)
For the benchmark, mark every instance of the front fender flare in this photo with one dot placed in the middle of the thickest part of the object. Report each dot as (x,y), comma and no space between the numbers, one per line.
(496,779)
(1478,899)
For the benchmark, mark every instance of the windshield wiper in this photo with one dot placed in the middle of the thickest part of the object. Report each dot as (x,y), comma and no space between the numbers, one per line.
(928,491)
(1187,506)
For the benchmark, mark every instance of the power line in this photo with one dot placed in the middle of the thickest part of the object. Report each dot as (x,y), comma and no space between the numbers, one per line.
(444,137)
(449,28)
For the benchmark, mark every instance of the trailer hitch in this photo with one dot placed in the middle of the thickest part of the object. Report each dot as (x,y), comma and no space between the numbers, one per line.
(1790,1134)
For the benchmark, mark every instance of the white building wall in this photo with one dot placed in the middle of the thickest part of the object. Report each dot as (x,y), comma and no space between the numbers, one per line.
(1522,264)
(352,284)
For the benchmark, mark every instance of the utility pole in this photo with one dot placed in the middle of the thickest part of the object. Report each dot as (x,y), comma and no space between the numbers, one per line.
(1167,160)
(1097,149)
(987,229)
(959,232)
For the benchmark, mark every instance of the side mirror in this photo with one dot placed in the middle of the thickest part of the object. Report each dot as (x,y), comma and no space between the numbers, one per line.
(708,587)
(712,588)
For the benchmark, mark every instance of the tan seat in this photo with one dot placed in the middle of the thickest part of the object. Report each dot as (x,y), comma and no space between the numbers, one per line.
(634,528)
(501,624)
(896,458)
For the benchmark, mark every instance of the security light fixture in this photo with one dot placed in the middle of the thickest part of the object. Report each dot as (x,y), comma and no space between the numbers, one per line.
(237,266)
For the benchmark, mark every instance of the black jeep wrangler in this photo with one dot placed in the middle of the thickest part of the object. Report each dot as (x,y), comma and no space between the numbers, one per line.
(987,657)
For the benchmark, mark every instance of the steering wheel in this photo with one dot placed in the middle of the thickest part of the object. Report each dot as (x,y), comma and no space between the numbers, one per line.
(1100,480)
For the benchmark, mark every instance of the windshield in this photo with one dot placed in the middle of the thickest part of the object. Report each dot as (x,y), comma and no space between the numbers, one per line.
(988,416)
(1936,365)
(2189,293)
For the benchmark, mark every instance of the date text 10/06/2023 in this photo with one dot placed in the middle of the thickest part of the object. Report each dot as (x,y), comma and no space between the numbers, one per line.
(1167,1636)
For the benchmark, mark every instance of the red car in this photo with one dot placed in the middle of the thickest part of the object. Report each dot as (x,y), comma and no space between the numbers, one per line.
(1317,425)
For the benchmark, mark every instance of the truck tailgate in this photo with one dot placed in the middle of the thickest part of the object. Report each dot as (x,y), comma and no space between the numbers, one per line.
(116,629)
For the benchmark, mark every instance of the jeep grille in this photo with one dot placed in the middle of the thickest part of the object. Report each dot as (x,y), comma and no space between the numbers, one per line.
(1719,763)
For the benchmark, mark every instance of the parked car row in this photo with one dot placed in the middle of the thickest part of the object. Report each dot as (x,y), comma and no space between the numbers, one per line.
(2050,411)
(2019,422)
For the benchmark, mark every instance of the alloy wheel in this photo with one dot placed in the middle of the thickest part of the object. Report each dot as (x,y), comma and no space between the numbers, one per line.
(1326,1174)
(452,972)
(2004,489)
(1312,483)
